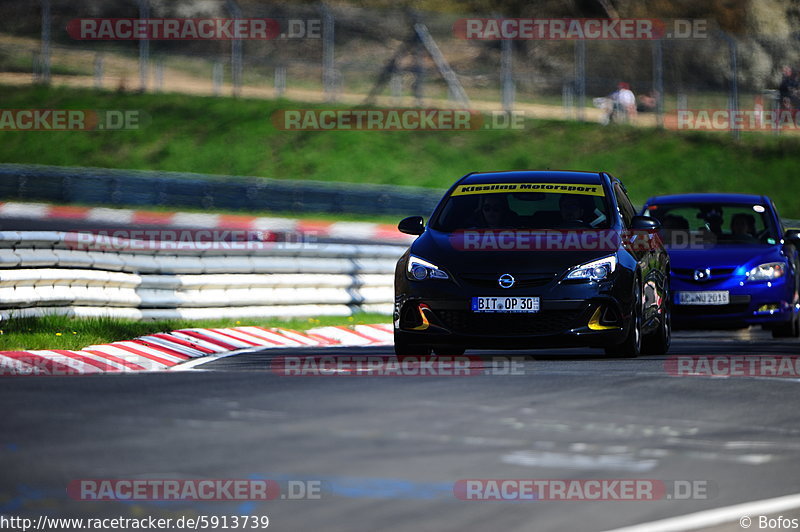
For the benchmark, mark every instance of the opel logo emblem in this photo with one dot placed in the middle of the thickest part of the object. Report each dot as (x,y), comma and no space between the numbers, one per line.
(506,280)
(702,275)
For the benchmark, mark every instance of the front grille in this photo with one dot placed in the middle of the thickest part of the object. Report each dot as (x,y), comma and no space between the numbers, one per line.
(520,281)
(717,274)
(540,323)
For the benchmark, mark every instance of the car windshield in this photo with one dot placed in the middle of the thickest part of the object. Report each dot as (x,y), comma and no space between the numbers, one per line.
(523,210)
(714,223)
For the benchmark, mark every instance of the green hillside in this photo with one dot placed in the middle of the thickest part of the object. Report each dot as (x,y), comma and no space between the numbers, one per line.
(236,137)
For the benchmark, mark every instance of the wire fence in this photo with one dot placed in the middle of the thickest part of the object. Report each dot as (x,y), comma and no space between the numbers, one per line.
(338,53)
(343,55)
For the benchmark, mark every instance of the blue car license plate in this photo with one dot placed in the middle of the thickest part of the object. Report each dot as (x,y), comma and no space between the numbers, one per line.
(707,297)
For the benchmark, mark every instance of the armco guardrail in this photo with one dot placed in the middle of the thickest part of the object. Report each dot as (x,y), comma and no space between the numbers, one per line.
(101,186)
(46,272)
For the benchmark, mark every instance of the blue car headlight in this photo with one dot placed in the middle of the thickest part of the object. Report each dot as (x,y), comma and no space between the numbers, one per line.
(420,269)
(767,272)
(596,270)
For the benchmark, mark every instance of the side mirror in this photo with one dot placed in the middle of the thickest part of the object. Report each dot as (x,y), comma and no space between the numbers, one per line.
(793,236)
(413,225)
(645,223)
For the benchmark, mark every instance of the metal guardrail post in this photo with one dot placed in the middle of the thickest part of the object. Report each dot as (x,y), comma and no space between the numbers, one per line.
(236,50)
(280,81)
(580,77)
(733,97)
(98,70)
(418,68)
(144,48)
(568,99)
(217,74)
(658,79)
(396,85)
(774,99)
(160,74)
(44,73)
(506,66)
(328,64)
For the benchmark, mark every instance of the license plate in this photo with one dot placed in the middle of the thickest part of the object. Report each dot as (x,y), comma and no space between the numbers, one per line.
(708,297)
(505,304)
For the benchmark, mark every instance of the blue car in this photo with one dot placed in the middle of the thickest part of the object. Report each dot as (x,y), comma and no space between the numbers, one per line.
(733,263)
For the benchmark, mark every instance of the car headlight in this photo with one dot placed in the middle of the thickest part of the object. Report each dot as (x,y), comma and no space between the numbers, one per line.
(596,270)
(767,272)
(420,269)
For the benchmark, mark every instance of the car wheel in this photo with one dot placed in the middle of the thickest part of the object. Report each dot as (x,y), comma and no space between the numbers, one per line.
(404,349)
(791,329)
(658,343)
(449,351)
(632,345)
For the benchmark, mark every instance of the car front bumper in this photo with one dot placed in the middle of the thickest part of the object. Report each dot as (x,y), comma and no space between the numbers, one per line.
(751,303)
(438,313)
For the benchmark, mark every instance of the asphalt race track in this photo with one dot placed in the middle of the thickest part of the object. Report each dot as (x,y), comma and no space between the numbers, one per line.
(386,452)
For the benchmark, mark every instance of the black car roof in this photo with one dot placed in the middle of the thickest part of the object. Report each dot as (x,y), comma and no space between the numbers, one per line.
(708,197)
(533,176)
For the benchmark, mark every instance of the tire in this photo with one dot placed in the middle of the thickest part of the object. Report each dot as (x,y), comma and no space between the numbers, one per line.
(790,329)
(658,343)
(632,345)
(449,351)
(404,349)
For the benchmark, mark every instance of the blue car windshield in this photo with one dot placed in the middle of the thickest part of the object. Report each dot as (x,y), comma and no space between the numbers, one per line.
(522,210)
(715,224)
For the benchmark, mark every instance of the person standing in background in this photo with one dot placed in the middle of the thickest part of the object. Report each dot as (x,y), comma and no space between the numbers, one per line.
(624,102)
(619,106)
(788,88)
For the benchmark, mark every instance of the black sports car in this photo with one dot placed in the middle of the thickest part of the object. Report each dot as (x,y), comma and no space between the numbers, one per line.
(528,259)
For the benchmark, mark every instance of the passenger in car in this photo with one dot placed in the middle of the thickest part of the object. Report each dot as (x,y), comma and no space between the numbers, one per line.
(494,212)
(743,227)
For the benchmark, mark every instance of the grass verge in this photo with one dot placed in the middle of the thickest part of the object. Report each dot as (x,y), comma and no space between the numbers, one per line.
(236,137)
(61,332)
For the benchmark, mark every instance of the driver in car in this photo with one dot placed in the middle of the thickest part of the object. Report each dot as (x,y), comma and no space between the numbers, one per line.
(572,211)
(712,215)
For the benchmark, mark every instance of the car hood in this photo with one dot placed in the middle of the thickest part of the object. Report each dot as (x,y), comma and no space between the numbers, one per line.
(724,256)
(437,247)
